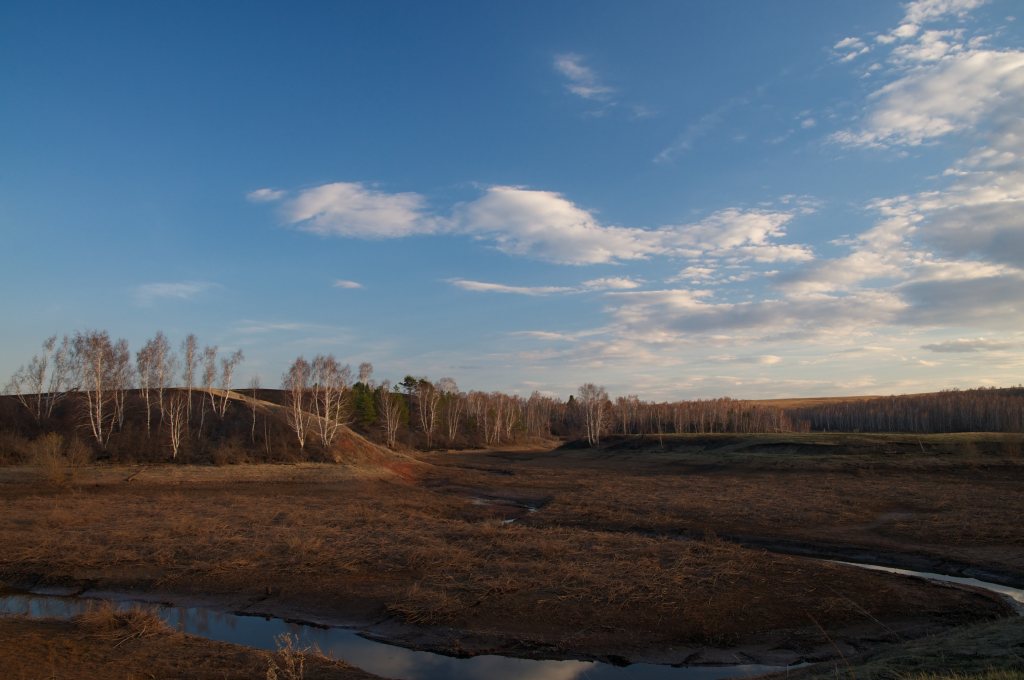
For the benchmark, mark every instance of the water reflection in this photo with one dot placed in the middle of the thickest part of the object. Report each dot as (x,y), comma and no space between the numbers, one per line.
(376,657)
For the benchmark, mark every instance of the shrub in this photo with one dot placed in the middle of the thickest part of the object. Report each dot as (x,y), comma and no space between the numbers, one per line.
(78,454)
(289,662)
(47,452)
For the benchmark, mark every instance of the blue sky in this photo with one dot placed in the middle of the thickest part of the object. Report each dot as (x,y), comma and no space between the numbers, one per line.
(673,199)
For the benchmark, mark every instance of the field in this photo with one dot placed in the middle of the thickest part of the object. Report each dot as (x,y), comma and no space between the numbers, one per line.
(687,549)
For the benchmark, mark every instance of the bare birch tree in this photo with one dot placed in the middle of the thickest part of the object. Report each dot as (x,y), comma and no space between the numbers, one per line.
(144,369)
(162,367)
(94,366)
(123,377)
(177,420)
(209,376)
(428,399)
(45,380)
(189,363)
(254,386)
(366,373)
(227,371)
(390,411)
(593,402)
(296,385)
(453,403)
(330,382)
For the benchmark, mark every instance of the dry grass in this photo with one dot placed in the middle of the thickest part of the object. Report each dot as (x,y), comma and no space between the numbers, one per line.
(48,456)
(58,461)
(325,544)
(122,625)
(288,662)
(946,504)
(85,650)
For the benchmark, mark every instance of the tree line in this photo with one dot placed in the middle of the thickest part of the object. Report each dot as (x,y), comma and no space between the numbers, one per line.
(167,399)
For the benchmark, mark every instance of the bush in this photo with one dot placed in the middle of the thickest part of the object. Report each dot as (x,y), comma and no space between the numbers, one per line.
(229,452)
(78,453)
(48,454)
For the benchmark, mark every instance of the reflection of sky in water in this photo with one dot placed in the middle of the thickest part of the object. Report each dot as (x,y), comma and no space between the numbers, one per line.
(376,657)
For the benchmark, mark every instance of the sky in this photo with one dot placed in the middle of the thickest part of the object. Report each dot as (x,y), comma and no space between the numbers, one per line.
(671,199)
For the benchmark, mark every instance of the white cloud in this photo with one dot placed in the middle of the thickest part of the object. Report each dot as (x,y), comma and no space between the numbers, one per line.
(927,11)
(547,226)
(345,283)
(903,31)
(265,195)
(808,123)
(931,46)
(850,48)
(583,82)
(351,209)
(739,234)
(694,274)
(950,97)
(612,283)
(924,11)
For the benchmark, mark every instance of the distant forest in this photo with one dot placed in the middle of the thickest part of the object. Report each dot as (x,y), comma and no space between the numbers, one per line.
(161,402)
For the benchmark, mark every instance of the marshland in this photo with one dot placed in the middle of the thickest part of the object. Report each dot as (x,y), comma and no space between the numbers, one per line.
(659,537)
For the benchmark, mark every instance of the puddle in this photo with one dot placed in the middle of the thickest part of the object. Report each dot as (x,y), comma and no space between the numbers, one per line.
(505,505)
(1015,596)
(382,659)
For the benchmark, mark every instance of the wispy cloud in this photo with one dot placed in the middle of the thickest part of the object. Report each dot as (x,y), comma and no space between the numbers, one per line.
(265,195)
(345,283)
(698,129)
(485,287)
(353,209)
(612,283)
(593,285)
(150,293)
(967,345)
(850,48)
(254,327)
(582,80)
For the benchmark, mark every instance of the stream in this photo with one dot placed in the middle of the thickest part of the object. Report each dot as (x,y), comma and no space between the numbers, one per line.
(389,661)
(1013,596)
(392,661)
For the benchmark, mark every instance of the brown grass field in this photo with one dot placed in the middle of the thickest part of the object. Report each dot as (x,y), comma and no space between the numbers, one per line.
(663,550)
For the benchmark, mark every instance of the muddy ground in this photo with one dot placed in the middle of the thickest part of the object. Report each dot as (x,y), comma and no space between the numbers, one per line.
(635,552)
